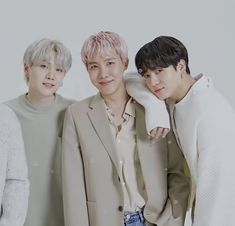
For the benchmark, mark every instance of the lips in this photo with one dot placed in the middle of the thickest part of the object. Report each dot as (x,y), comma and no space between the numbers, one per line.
(105,83)
(158,90)
(48,85)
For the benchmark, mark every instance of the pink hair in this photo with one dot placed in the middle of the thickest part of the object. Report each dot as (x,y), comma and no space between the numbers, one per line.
(102,43)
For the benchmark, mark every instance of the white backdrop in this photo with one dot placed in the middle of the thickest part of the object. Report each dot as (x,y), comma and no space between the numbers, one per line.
(206,27)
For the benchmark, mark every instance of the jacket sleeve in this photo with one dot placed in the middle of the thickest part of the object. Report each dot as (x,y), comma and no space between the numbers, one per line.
(16,191)
(74,194)
(178,182)
(156,114)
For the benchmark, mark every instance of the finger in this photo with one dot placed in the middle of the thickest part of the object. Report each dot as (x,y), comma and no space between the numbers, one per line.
(159,132)
(153,132)
(165,132)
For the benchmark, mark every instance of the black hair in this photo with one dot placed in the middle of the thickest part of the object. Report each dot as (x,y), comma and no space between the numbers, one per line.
(162,52)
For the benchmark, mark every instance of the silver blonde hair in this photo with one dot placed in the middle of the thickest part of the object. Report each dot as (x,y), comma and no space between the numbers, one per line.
(40,51)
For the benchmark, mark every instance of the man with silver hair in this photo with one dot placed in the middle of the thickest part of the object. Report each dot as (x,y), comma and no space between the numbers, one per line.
(113,173)
(41,112)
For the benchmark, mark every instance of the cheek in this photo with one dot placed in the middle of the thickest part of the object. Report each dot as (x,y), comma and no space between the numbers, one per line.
(92,78)
(60,77)
(148,84)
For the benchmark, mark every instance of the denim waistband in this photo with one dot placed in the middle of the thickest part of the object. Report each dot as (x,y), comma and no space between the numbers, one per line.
(137,216)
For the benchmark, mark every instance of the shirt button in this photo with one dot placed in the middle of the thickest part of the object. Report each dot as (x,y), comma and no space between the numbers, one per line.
(120,208)
(175,202)
(169,141)
(127,217)
(166,169)
(123,184)
(120,162)
(119,141)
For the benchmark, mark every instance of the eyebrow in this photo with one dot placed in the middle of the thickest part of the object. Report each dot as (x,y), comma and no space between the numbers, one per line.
(106,59)
(110,58)
(92,63)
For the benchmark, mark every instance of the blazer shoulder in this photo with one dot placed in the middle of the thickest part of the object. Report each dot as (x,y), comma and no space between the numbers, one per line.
(81,106)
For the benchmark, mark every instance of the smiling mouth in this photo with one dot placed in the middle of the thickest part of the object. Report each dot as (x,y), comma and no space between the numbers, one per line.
(158,90)
(105,83)
(48,85)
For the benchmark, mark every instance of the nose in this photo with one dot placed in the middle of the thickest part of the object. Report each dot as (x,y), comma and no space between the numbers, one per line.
(51,73)
(153,79)
(103,73)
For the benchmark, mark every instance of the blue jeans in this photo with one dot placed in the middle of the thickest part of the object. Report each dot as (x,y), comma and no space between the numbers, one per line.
(134,218)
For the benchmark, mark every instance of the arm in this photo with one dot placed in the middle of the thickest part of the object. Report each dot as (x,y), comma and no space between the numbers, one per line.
(16,190)
(215,202)
(178,182)
(74,194)
(156,114)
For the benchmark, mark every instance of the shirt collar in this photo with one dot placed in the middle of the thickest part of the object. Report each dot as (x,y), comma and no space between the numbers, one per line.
(128,111)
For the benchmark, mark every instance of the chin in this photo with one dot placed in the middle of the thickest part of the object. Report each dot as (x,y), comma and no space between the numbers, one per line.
(106,92)
(161,97)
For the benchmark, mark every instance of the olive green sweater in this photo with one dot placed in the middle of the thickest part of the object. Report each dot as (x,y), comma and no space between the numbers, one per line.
(42,128)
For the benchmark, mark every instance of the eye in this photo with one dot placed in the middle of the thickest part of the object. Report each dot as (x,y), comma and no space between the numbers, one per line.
(146,76)
(43,66)
(93,66)
(61,70)
(159,70)
(110,62)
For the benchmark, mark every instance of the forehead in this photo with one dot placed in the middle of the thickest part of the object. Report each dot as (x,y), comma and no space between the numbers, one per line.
(50,58)
(99,56)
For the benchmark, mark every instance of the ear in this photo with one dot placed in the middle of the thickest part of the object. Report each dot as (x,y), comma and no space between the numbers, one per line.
(26,71)
(181,66)
(126,63)
(26,68)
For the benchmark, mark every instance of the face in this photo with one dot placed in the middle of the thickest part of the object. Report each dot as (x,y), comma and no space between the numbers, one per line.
(45,78)
(164,82)
(106,73)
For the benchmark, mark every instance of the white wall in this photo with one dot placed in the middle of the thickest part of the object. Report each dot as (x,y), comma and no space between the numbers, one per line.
(206,27)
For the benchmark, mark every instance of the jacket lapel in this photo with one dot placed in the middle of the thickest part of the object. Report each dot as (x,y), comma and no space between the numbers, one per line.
(99,120)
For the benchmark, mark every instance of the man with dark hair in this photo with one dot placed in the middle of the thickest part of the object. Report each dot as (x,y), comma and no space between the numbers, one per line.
(200,117)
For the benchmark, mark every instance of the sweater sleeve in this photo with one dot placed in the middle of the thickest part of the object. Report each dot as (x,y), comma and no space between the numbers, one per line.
(16,191)
(215,201)
(156,114)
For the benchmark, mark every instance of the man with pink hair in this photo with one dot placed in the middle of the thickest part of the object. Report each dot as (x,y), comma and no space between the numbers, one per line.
(113,173)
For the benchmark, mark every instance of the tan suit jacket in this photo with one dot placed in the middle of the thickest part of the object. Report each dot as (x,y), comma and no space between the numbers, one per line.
(92,192)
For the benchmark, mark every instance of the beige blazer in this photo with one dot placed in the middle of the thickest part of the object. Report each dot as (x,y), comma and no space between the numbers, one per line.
(92,192)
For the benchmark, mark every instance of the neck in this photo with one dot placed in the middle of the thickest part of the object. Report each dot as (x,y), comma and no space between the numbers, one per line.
(183,88)
(39,101)
(117,102)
